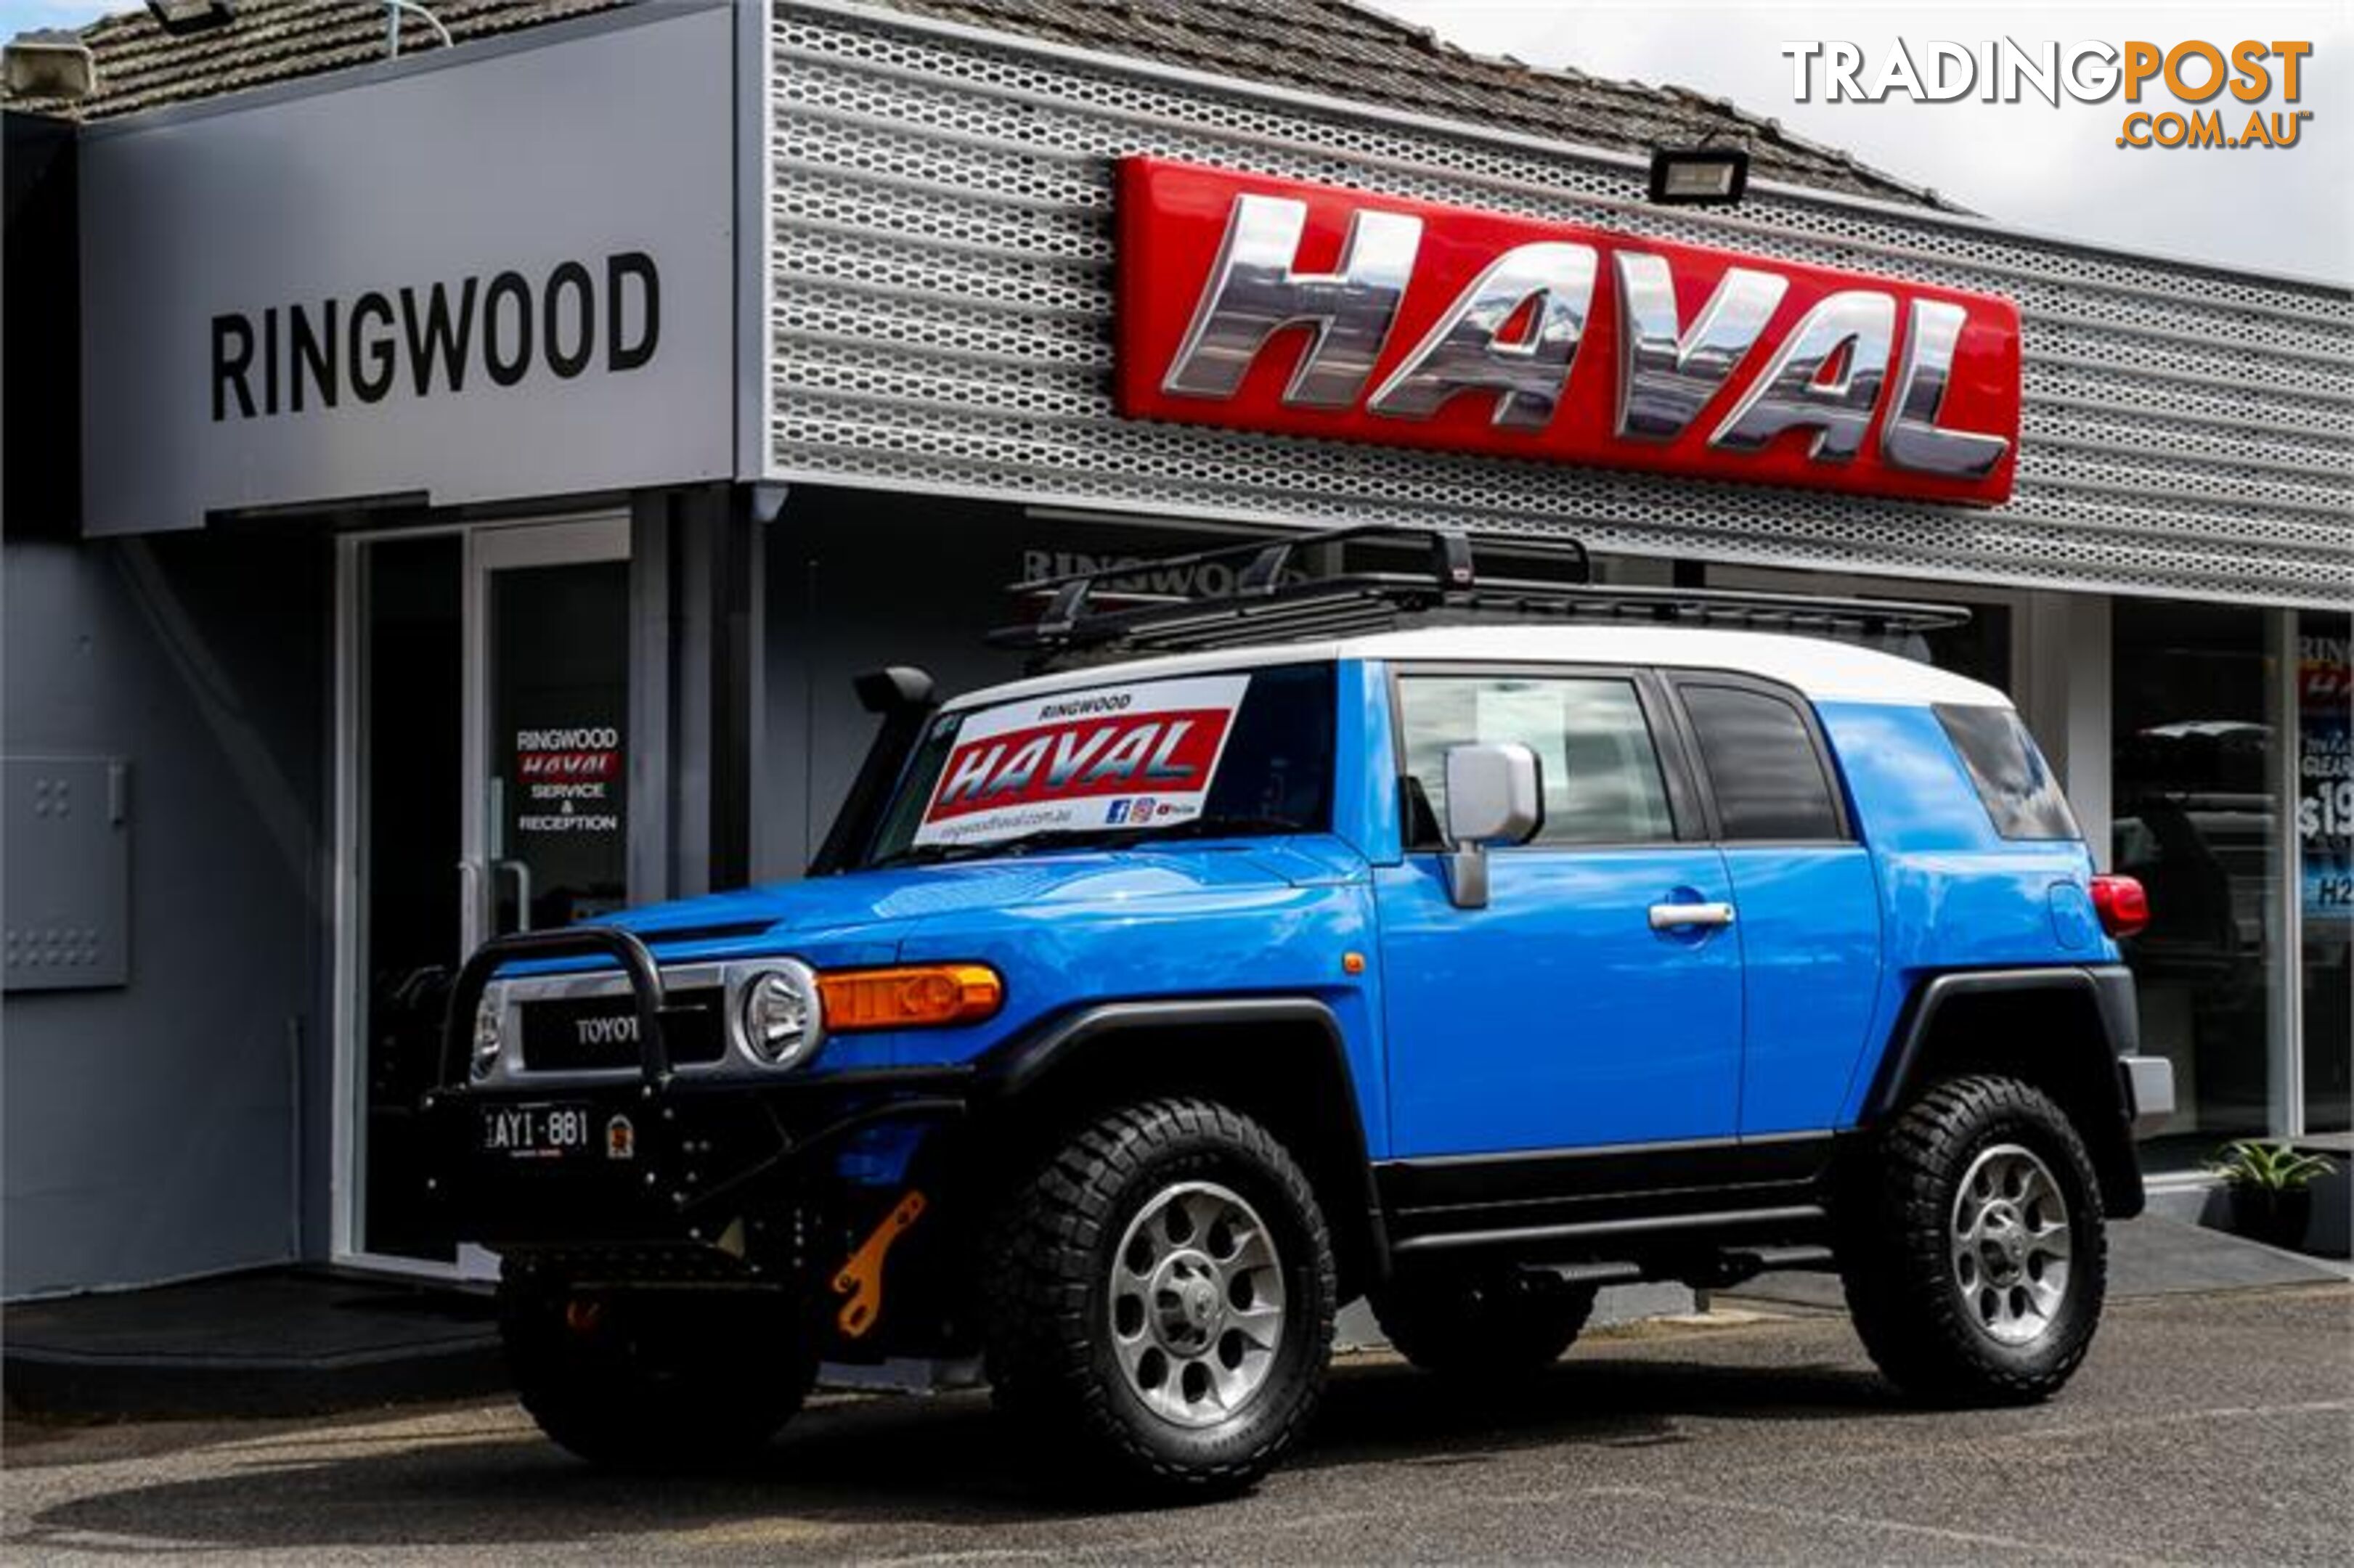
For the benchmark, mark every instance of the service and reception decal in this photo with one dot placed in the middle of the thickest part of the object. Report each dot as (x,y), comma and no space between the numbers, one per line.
(568,774)
(2325,804)
(1109,757)
(1270,304)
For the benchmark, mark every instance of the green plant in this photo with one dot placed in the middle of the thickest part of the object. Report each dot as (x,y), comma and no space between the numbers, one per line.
(2272,1167)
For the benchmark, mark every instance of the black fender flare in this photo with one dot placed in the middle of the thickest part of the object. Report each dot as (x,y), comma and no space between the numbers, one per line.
(1019,1066)
(2090,1064)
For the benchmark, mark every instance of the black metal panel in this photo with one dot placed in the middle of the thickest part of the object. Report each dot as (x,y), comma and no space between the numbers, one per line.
(40,331)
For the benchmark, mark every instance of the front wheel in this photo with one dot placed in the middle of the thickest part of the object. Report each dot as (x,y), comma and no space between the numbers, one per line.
(1975,1254)
(1160,1305)
(657,1380)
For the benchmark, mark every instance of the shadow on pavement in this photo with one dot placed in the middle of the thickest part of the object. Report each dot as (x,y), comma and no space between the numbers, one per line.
(945,1460)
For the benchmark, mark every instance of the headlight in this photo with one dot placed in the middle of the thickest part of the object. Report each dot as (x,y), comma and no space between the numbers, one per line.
(777,1016)
(486,1034)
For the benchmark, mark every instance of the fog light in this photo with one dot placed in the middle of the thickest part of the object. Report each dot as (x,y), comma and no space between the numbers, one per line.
(486,1036)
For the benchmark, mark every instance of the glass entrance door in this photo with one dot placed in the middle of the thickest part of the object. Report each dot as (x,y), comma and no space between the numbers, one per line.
(485,738)
(548,792)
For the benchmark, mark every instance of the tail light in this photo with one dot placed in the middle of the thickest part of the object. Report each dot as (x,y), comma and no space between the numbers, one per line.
(2122,907)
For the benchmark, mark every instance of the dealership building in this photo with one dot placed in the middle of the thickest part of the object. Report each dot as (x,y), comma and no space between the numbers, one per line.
(453,492)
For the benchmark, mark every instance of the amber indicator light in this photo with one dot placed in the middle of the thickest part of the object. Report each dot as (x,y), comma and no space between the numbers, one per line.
(916,996)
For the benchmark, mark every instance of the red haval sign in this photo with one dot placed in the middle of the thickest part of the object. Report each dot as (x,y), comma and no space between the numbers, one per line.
(1269,304)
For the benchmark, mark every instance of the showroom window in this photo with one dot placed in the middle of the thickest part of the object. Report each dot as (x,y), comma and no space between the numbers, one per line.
(2193,817)
(2325,829)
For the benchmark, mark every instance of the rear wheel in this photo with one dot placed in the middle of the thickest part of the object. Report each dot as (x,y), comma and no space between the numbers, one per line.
(1161,1305)
(667,1380)
(1975,1254)
(1483,1324)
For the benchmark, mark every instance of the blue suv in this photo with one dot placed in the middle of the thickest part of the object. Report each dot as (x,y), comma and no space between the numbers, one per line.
(1138,1016)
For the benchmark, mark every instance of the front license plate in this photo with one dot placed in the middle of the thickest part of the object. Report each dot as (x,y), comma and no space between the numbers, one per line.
(536,1131)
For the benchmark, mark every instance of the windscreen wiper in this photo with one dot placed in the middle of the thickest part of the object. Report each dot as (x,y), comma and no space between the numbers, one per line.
(1082,838)
(981,849)
(1215,827)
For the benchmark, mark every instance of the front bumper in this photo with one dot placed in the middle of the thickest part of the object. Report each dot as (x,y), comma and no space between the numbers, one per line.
(682,1174)
(689,1178)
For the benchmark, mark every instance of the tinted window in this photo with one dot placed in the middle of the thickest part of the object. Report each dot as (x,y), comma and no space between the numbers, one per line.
(1601,776)
(1273,774)
(1762,764)
(2021,797)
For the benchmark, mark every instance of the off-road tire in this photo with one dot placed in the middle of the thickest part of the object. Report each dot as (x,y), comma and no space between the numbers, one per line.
(1482,1324)
(1051,1356)
(667,1381)
(1897,1255)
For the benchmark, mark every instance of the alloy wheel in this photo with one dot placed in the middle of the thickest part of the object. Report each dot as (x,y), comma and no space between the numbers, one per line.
(1196,1304)
(2010,1245)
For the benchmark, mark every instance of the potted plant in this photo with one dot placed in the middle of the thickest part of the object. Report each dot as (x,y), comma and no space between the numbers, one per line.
(2271,1187)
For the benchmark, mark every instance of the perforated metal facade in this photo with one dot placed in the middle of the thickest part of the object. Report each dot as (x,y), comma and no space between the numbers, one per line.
(940,289)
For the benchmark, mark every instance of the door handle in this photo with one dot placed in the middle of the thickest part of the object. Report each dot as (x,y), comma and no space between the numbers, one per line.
(521,874)
(1676,916)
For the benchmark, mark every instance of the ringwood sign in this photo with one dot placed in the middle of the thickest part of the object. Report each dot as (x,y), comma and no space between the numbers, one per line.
(309,353)
(510,277)
(1306,310)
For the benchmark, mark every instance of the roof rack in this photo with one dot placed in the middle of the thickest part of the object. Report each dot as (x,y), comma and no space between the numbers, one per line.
(1300,586)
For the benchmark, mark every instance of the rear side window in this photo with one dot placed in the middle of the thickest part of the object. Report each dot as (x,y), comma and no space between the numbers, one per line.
(2014,781)
(1763,766)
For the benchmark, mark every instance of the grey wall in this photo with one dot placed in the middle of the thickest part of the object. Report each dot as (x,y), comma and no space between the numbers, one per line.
(149,1131)
(410,181)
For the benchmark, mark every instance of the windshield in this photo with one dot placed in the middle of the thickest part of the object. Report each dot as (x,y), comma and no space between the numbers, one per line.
(1190,757)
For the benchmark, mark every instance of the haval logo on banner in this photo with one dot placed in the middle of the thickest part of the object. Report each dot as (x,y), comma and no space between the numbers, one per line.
(1306,310)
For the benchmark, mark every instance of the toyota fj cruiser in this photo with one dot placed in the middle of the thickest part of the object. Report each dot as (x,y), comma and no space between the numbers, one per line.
(1325,938)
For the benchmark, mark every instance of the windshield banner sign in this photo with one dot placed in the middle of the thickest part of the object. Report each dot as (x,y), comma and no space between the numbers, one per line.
(1108,757)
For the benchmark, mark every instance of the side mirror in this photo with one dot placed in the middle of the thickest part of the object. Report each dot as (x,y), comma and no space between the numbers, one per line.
(1494,796)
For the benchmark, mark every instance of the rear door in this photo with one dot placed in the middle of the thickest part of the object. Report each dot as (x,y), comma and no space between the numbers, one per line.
(1558,1017)
(1807,897)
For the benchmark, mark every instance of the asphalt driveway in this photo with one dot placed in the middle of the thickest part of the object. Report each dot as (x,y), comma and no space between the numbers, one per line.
(2205,1428)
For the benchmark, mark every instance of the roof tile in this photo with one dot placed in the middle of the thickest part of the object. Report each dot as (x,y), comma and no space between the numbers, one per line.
(1334,47)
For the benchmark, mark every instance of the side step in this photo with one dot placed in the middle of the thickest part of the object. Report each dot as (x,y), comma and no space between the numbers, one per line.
(1719,1271)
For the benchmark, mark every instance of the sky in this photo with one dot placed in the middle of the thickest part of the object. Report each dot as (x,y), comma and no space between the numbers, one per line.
(15,15)
(2056,170)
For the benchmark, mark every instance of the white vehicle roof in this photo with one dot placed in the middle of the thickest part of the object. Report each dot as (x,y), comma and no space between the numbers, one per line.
(1825,671)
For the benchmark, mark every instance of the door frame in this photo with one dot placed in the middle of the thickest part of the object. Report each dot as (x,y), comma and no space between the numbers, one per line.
(551,540)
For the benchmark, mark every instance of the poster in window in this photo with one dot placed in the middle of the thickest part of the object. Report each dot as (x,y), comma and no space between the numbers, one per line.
(2325,764)
(1110,756)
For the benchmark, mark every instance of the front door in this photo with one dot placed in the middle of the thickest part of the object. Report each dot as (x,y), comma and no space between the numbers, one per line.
(1558,1017)
(485,746)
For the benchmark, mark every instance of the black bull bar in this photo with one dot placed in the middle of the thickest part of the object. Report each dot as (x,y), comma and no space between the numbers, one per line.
(706,1146)
(579,941)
